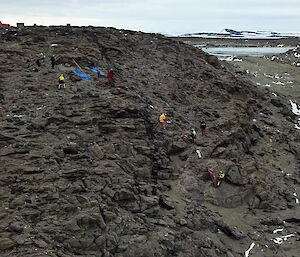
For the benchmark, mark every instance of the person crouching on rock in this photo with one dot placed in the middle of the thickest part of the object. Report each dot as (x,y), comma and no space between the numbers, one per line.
(193,135)
(110,76)
(203,128)
(162,119)
(61,82)
(220,176)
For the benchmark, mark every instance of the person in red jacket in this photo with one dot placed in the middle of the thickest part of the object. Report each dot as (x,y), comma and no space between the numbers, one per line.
(110,76)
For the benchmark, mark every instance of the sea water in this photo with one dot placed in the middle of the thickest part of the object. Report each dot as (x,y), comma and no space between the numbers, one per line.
(244,51)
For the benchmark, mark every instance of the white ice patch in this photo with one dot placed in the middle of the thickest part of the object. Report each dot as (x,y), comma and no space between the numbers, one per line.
(274,94)
(267,85)
(297,55)
(199,154)
(279,240)
(296,111)
(53,45)
(258,84)
(237,60)
(298,64)
(248,251)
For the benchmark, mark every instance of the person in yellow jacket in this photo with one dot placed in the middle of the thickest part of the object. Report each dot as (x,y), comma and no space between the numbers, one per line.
(162,119)
(221,175)
(193,135)
(61,82)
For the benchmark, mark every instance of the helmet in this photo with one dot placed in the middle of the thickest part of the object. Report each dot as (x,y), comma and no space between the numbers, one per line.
(111,69)
(61,75)
(192,129)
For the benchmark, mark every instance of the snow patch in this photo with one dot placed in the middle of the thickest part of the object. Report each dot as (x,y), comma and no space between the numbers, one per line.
(248,251)
(278,83)
(277,230)
(279,240)
(295,108)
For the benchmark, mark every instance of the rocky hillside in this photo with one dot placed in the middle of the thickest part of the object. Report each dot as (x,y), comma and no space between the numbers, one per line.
(88,171)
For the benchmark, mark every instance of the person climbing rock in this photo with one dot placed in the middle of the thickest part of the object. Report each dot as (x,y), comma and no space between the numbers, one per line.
(61,82)
(193,135)
(110,76)
(203,128)
(221,175)
(52,61)
(162,119)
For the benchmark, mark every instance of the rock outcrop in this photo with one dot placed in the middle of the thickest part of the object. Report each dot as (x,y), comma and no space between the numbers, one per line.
(88,171)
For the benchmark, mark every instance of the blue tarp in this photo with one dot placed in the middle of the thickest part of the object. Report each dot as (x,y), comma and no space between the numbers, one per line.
(82,75)
(95,69)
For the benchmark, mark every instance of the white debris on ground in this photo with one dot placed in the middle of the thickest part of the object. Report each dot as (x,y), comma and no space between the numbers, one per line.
(296,199)
(248,251)
(267,85)
(199,154)
(53,45)
(274,94)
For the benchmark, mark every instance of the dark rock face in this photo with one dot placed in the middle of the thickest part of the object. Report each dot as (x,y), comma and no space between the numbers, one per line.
(86,171)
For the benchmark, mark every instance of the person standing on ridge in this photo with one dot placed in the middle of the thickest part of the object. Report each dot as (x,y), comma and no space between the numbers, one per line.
(61,82)
(203,127)
(110,76)
(162,119)
(52,61)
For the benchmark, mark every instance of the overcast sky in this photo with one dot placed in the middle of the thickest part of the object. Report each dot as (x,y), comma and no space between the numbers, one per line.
(165,16)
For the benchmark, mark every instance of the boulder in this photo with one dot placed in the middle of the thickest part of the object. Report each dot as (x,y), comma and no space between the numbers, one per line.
(236,176)
(166,202)
(96,151)
(6,243)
